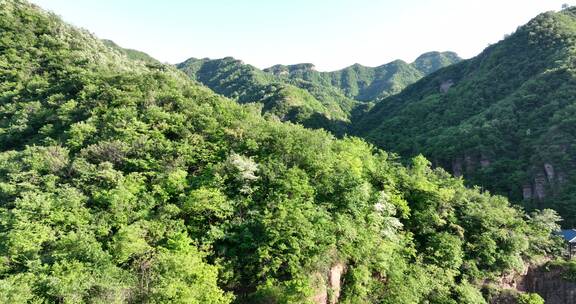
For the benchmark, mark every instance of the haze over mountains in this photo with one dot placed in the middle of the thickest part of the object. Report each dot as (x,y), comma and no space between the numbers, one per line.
(124,180)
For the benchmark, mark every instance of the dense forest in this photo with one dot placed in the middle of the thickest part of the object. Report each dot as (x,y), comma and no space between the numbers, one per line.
(300,94)
(367,84)
(130,53)
(504,120)
(299,102)
(124,181)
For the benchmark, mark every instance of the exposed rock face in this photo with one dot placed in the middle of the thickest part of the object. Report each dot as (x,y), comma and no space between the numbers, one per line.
(446,85)
(330,281)
(546,177)
(514,280)
(457,167)
(539,184)
(484,163)
(335,277)
(507,297)
(527,192)
(543,185)
(469,162)
(549,169)
(550,285)
(321,295)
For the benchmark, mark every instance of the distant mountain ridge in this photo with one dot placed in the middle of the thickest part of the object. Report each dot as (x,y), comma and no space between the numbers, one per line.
(369,83)
(299,93)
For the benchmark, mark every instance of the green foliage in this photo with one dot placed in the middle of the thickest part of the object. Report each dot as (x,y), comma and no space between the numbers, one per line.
(468,294)
(298,102)
(122,182)
(366,83)
(179,275)
(530,298)
(132,54)
(430,62)
(503,120)
(300,94)
(566,267)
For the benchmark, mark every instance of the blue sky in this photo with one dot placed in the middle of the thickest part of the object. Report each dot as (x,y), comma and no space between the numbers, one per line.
(331,34)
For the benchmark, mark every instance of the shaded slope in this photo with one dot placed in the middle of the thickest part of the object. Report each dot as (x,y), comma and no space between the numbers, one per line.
(502,119)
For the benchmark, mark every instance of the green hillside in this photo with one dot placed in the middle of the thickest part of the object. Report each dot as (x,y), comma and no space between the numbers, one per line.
(504,119)
(431,62)
(122,182)
(298,93)
(366,83)
(293,101)
(130,53)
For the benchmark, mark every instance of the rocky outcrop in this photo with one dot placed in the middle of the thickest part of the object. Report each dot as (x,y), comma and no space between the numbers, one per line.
(334,281)
(446,85)
(321,294)
(550,285)
(549,169)
(329,285)
(469,164)
(505,297)
(527,192)
(545,178)
(484,162)
(547,279)
(457,167)
(539,186)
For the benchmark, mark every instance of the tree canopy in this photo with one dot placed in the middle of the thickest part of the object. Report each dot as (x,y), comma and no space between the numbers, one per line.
(503,120)
(123,181)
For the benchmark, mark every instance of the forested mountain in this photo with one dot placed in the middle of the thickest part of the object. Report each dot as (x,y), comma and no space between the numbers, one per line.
(366,83)
(298,93)
(431,62)
(126,182)
(504,119)
(294,101)
(130,53)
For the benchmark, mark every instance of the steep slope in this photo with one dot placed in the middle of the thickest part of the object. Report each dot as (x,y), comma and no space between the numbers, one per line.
(313,106)
(366,83)
(122,182)
(504,119)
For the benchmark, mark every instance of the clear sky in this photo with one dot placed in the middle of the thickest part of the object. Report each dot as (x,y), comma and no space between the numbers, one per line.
(331,34)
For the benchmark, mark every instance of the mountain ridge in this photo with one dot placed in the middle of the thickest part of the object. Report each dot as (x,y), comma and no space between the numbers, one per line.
(298,93)
(128,182)
(499,119)
(365,83)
